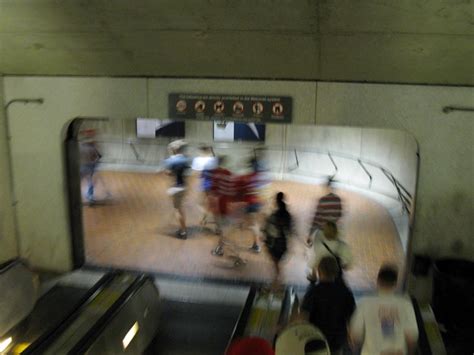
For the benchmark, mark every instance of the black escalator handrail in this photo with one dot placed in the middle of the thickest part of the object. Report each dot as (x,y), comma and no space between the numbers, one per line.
(403,199)
(96,330)
(46,339)
(286,306)
(241,324)
(423,343)
(7,265)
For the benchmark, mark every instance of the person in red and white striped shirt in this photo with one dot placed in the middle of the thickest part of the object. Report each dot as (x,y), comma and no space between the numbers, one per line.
(223,192)
(329,209)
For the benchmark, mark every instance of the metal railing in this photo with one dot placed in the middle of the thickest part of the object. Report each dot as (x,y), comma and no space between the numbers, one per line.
(402,193)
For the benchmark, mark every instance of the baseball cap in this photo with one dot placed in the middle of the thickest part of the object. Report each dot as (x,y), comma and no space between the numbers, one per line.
(301,339)
(250,346)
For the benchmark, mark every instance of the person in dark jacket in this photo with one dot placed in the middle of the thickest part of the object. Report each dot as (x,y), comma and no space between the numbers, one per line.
(278,228)
(329,305)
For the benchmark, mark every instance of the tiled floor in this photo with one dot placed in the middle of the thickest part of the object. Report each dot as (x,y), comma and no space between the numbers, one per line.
(135,229)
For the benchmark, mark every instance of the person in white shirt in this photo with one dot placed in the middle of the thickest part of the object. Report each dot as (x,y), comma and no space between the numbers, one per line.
(329,244)
(385,324)
(205,164)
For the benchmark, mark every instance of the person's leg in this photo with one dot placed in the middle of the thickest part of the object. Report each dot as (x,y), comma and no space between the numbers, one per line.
(90,184)
(252,218)
(276,278)
(180,215)
(219,249)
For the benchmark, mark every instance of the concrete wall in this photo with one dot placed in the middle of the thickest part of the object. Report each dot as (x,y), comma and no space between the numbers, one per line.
(8,248)
(393,149)
(443,223)
(38,161)
(445,190)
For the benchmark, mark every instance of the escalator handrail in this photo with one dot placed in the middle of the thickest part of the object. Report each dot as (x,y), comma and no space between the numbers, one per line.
(48,338)
(286,306)
(242,321)
(4,267)
(423,342)
(96,330)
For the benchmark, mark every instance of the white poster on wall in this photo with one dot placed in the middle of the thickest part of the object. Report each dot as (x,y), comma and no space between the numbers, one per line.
(224,131)
(146,127)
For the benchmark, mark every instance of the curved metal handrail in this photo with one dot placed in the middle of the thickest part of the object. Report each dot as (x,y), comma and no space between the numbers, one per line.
(404,196)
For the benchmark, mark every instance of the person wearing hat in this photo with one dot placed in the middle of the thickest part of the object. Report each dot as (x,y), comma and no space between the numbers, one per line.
(329,305)
(177,165)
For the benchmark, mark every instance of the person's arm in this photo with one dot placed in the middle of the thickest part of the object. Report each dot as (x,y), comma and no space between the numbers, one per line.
(345,253)
(411,343)
(307,303)
(410,328)
(357,329)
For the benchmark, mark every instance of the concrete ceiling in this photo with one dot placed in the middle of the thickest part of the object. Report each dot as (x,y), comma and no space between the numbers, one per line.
(403,41)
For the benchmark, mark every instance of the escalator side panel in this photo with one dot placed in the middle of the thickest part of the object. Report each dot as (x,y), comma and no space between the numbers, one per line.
(138,317)
(19,287)
(55,311)
(89,314)
(194,328)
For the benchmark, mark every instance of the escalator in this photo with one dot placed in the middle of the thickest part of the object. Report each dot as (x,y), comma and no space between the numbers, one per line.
(124,313)
(201,328)
(117,314)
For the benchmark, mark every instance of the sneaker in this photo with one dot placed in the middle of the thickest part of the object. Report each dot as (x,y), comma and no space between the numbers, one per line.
(182,235)
(239,262)
(218,251)
(255,248)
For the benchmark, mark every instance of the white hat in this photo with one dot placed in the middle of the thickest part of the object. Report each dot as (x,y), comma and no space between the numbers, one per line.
(177,145)
(301,339)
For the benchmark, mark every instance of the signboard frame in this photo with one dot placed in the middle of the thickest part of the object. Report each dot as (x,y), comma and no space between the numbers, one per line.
(229,107)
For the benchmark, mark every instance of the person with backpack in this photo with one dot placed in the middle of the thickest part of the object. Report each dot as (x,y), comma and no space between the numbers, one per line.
(329,244)
(277,229)
(329,305)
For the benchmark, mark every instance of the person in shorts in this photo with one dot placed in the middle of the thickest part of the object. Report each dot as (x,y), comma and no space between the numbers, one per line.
(177,165)
(250,187)
(204,164)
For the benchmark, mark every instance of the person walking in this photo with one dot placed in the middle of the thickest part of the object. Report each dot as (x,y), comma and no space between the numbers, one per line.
(328,209)
(329,244)
(329,305)
(385,324)
(277,230)
(177,165)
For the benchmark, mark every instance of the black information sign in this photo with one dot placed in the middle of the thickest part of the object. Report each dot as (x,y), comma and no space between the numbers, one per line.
(254,108)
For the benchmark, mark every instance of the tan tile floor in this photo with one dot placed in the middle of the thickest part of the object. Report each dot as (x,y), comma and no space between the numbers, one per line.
(135,229)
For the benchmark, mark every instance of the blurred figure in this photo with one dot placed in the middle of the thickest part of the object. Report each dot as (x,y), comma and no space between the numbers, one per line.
(278,228)
(385,324)
(329,305)
(223,192)
(250,346)
(177,165)
(205,164)
(89,158)
(330,245)
(251,185)
(329,209)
